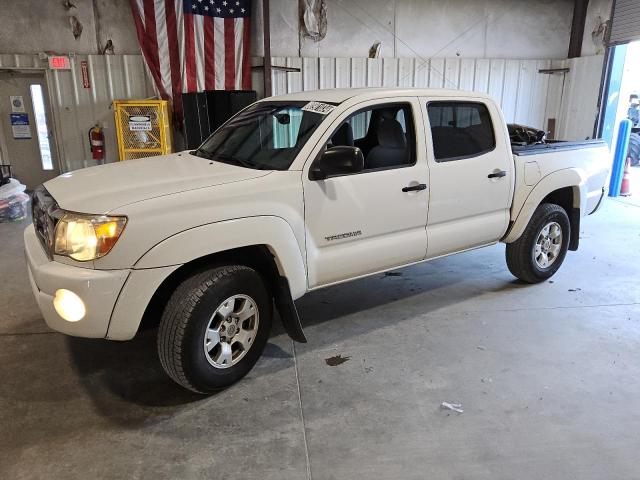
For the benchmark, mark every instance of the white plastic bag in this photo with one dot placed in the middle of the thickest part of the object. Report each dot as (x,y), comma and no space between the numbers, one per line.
(13,201)
(10,189)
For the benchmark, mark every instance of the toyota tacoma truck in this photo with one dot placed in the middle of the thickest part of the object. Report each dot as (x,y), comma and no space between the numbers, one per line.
(293,194)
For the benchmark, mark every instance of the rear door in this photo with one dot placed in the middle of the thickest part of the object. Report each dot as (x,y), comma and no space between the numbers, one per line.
(471,174)
(26,124)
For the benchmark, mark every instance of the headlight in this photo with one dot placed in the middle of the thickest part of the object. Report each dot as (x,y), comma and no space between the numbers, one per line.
(87,237)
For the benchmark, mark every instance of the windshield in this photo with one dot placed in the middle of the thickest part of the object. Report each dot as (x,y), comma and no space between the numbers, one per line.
(267,136)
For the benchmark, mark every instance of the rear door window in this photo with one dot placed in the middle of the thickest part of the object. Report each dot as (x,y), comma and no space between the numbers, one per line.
(460,130)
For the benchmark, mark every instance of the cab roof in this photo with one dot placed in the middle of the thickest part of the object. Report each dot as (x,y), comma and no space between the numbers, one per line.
(339,95)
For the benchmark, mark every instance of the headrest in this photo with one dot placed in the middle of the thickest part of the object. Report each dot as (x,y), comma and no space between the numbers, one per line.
(343,136)
(388,114)
(390,134)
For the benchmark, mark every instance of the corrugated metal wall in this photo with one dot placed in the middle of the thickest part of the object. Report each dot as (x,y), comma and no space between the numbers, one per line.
(577,107)
(515,84)
(76,109)
(525,95)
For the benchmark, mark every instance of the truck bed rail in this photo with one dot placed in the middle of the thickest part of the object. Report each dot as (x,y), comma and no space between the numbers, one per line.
(554,145)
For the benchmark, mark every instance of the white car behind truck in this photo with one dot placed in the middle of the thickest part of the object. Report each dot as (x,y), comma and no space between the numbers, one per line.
(293,194)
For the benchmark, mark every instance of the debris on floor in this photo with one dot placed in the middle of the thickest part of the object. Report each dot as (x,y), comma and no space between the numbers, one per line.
(456,407)
(366,369)
(336,360)
(574,289)
(481,347)
(392,274)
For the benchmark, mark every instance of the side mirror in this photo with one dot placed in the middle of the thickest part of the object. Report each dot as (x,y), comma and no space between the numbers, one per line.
(340,160)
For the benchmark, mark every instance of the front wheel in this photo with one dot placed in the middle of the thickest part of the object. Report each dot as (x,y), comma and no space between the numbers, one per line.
(214,328)
(541,249)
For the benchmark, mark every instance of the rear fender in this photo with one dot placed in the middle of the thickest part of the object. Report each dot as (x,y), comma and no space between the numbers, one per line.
(569,177)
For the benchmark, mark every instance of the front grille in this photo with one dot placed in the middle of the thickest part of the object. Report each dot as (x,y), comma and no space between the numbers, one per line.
(44,211)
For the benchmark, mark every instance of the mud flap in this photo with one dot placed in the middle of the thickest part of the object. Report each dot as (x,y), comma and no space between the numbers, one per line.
(288,312)
(574,221)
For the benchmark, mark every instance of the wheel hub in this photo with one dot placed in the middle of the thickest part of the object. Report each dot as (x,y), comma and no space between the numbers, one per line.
(548,245)
(231,331)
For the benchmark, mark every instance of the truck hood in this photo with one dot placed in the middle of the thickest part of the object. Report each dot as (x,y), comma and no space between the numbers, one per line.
(104,188)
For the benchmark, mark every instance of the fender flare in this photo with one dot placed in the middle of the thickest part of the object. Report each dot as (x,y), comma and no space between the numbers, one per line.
(167,256)
(198,242)
(568,177)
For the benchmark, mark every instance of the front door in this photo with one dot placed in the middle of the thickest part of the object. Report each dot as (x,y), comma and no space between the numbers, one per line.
(373,220)
(26,123)
(471,174)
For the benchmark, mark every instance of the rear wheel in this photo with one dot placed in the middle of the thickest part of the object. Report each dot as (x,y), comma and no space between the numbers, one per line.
(541,249)
(214,328)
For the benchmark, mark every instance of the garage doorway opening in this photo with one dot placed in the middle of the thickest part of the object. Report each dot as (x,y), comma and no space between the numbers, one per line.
(621,100)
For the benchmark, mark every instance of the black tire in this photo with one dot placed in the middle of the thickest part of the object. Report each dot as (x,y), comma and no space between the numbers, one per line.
(634,149)
(521,253)
(184,322)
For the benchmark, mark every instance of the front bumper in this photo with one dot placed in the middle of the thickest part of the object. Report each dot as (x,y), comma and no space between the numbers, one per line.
(99,289)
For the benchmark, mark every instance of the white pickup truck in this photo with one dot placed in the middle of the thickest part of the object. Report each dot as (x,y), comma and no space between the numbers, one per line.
(293,194)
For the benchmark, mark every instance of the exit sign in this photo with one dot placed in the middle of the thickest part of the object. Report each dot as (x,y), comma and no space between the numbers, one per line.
(59,63)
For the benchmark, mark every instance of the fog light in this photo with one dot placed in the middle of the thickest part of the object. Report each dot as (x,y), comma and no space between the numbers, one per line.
(69,305)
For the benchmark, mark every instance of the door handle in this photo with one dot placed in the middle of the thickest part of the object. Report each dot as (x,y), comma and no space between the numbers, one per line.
(415,188)
(499,174)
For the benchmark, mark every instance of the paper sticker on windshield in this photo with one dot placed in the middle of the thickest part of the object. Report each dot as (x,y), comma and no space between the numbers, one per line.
(318,107)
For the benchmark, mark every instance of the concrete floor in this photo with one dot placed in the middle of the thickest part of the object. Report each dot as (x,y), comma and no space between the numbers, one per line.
(547,376)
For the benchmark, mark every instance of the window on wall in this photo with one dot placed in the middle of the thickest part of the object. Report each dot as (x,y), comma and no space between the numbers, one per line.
(40,114)
(460,130)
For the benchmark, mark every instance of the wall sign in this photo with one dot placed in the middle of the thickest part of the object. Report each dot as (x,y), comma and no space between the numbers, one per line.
(17,103)
(140,123)
(84,68)
(20,125)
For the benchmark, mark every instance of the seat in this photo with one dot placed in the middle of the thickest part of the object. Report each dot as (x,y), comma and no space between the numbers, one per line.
(392,146)
(343,136)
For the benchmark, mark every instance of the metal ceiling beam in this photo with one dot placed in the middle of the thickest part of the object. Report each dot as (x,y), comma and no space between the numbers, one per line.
(577,27)
(266,27)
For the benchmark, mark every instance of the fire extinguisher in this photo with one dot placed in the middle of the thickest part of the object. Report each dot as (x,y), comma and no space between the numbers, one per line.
(96,141)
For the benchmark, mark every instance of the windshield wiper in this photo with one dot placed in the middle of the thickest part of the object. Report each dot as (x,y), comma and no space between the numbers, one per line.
(226,158)
(223,157)
(201,154)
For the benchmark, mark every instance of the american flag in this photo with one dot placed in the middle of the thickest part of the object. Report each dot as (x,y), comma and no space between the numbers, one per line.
(194,45)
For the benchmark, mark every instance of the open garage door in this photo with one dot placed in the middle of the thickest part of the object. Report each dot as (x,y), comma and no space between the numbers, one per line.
(625,22)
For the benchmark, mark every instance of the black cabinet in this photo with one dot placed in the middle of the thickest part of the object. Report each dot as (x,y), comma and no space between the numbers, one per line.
(204,112)
(195,122)
(224,104)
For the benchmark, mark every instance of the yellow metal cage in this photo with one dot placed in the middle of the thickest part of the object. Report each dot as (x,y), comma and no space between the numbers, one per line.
(143,128)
